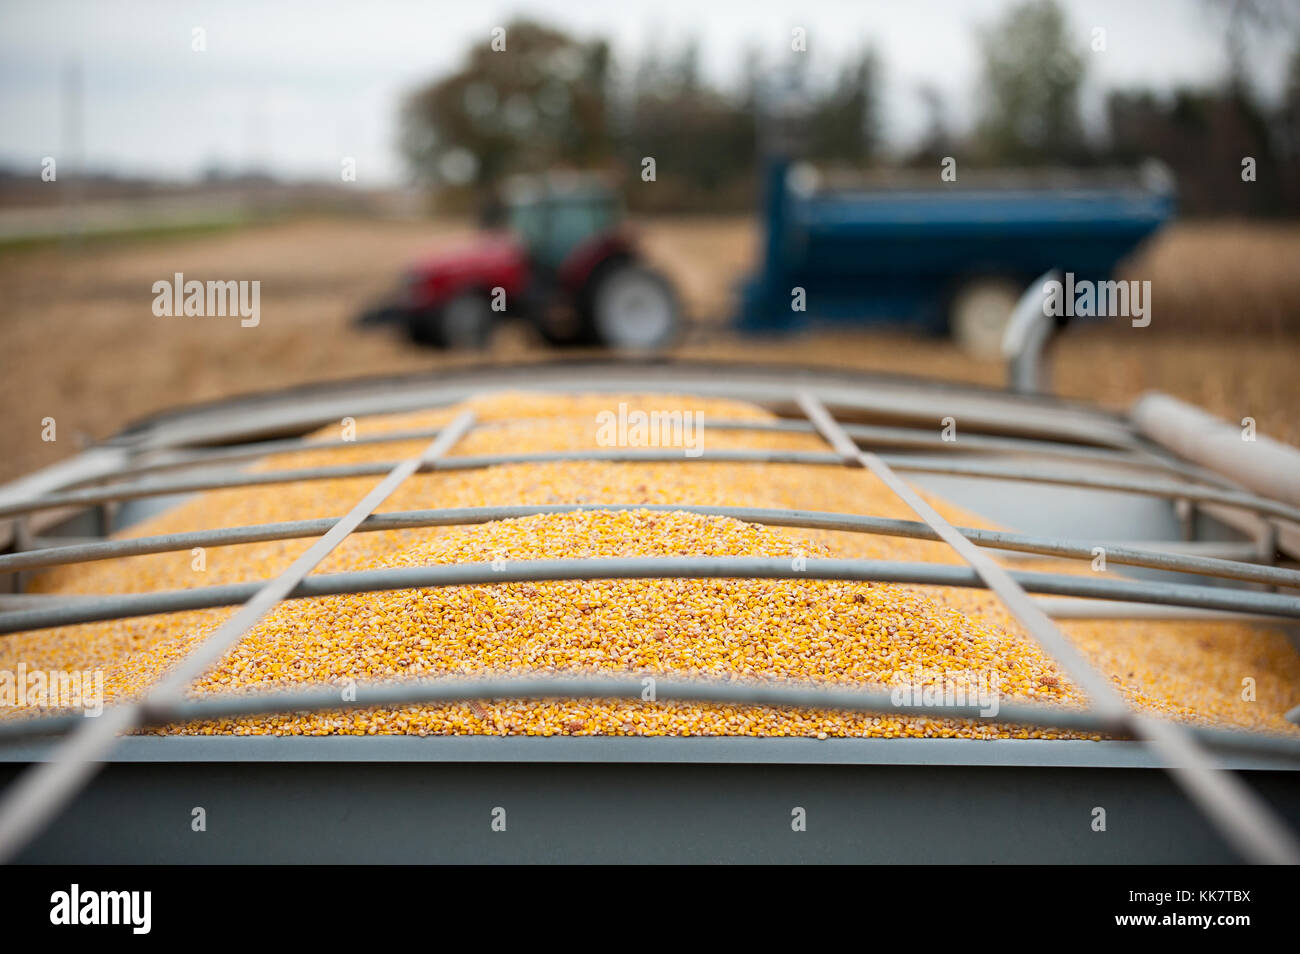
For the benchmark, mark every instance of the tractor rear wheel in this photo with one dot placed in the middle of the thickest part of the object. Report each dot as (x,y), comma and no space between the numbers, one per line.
(634,308)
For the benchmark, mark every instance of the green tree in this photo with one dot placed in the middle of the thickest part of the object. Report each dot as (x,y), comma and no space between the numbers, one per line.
(1031,77)
(844,124)
(538,103)
(702,140)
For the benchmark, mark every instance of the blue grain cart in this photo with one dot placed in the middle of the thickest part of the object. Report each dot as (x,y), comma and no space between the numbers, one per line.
(949,259)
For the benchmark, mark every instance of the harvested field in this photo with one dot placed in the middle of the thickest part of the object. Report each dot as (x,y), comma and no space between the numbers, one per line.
(81,344)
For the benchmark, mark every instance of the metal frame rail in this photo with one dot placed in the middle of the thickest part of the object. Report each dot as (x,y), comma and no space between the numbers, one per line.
(113,493)
(1122,554)
(865,434)
(43,612)
(1246,821)
(792,693)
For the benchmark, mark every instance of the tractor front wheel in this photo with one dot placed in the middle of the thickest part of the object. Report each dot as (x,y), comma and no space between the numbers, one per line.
(466,322)
(634,308)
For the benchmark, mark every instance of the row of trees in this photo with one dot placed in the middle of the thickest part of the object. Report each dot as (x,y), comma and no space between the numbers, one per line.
(531,98)
(551,100)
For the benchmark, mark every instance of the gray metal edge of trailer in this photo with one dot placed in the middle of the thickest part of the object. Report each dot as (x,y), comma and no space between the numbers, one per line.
(1038,753)
(301,408)
(579,374)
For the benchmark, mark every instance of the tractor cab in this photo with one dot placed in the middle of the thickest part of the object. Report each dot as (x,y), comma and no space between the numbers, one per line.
(554,218)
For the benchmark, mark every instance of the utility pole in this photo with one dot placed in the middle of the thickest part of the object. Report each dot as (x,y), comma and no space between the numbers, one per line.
(73,159)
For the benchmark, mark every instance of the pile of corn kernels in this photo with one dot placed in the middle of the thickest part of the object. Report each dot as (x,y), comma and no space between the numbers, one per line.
(869,635)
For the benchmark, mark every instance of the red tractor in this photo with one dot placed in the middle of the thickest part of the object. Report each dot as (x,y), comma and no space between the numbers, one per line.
(563,261)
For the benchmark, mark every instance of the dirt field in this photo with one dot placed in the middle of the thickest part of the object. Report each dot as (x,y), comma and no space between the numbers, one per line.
(80,342)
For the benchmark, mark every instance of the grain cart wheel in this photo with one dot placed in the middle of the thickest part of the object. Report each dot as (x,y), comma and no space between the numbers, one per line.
(634,308)
(465,323)
(979,313)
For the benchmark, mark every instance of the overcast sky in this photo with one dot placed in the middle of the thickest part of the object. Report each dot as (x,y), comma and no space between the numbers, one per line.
(295,86)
